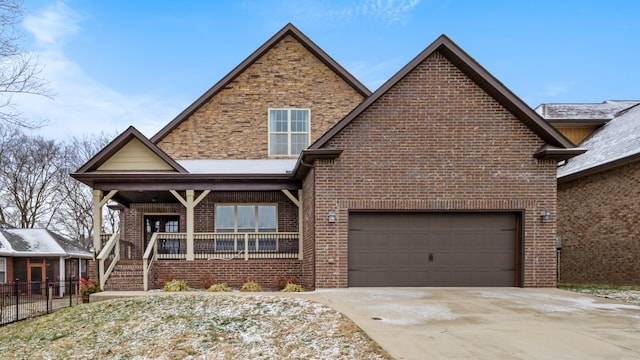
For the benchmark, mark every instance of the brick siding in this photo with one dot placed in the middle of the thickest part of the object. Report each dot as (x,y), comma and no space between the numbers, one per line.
(598,219)
(233,124)
(435,142)
(199,273)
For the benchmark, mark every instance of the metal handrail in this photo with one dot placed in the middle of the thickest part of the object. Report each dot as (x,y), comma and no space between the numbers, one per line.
(104,254)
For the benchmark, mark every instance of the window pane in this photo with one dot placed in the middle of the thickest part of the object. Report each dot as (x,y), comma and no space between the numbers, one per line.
(278,144)
(267,218)
(171,226)
(224,218)
(299,142)
(278,120)
(246,218)
(300,120)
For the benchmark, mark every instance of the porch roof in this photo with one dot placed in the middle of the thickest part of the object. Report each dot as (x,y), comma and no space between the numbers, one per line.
(38,242)
(254,166)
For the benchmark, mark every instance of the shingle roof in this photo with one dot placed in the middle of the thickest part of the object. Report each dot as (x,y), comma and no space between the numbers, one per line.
(38,242)
(606,110)
(616,143)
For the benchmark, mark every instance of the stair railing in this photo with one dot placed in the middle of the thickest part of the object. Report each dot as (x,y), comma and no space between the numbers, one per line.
(149,257)
(109,254)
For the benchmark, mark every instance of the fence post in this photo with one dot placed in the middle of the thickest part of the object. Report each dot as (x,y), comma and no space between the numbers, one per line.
(70,293)
(46,292)
(17,292)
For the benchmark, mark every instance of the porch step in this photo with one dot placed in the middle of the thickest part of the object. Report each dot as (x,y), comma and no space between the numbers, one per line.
(126,276)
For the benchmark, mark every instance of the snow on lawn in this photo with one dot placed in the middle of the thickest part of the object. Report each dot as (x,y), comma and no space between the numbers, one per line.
(191,326)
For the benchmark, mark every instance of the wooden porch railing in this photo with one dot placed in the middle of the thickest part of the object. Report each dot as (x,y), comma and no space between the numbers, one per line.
(108,257)
(221,246)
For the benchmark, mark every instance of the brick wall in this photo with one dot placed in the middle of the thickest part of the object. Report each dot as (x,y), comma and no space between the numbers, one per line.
(233,124)
(435,141)
(308,203)
(198,273)
(598,219)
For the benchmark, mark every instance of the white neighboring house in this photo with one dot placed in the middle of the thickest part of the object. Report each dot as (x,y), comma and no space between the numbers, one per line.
(35,255)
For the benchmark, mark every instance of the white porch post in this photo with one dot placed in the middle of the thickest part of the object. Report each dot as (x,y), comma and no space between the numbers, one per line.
(190,203)
(98,202)
(62,275)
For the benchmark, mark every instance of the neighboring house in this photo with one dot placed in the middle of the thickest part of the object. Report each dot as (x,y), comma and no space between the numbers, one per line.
(34,255)
(599,192)
(289,168)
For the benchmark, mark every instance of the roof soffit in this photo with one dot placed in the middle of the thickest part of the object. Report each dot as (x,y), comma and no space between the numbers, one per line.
(474,71)
(289,29)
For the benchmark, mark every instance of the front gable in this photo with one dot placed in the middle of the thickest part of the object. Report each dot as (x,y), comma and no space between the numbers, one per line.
(135,156)
(230,121)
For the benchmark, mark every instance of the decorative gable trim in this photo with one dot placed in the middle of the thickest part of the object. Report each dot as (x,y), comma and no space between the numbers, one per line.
(119,143)
(289,29)
(474,71)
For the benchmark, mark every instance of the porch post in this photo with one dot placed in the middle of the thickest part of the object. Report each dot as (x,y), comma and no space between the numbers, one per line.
(62,276)
(97,221)
(190,203)
(190,224)
(98,203)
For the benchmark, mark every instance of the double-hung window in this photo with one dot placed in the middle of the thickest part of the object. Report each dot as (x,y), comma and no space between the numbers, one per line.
(289,132)
(3,270)
(247,218)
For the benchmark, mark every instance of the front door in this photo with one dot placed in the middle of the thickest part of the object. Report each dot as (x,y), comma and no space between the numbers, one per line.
(36,279)
(163,224)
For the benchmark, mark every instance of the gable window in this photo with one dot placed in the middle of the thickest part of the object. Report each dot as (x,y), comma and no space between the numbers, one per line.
(289,132)
(3,270)
(246,218)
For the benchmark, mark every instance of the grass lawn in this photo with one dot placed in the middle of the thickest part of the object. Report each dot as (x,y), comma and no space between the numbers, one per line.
(191,326)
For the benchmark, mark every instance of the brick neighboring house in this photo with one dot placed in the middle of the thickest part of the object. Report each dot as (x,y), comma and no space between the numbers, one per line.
(34,255)
(599,192)
(289,168)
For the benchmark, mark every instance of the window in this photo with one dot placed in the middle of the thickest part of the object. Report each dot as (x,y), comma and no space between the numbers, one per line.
(243,218)
(3,270)
(289,132)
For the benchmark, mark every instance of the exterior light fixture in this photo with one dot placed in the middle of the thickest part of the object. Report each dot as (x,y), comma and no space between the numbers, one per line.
(332,217)
(545,216)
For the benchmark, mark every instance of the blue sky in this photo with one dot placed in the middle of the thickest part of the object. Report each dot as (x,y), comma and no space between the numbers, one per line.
(118,63)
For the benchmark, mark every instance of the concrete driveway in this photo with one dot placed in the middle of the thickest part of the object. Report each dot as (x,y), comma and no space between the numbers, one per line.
(490,323)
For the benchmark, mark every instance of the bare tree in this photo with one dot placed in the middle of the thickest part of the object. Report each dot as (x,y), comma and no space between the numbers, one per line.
(19,69)
(30,173)
(74,217)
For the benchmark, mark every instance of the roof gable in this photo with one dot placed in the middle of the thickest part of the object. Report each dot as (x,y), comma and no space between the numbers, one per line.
(131,151)
(481,77)
(289,29)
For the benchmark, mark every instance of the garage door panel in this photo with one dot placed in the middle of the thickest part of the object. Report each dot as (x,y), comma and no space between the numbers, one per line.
(468,249)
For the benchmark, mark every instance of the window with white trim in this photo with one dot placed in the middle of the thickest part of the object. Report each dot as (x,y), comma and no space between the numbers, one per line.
(3,270)
(289,131)
(247,218)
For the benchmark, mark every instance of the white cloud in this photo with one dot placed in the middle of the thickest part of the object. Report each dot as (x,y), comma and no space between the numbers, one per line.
(81,104)
(384,11)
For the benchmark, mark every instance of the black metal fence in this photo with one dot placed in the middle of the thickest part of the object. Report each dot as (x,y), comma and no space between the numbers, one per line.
(24,300)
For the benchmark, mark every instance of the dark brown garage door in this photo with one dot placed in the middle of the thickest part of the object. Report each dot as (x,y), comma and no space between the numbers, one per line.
(432,249)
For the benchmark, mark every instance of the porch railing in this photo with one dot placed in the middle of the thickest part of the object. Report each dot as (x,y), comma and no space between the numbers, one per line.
(148,259)
(108,258)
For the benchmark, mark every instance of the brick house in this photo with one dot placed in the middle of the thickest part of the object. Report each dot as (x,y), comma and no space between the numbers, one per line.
(598,192)
(289,168)
(34,255)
